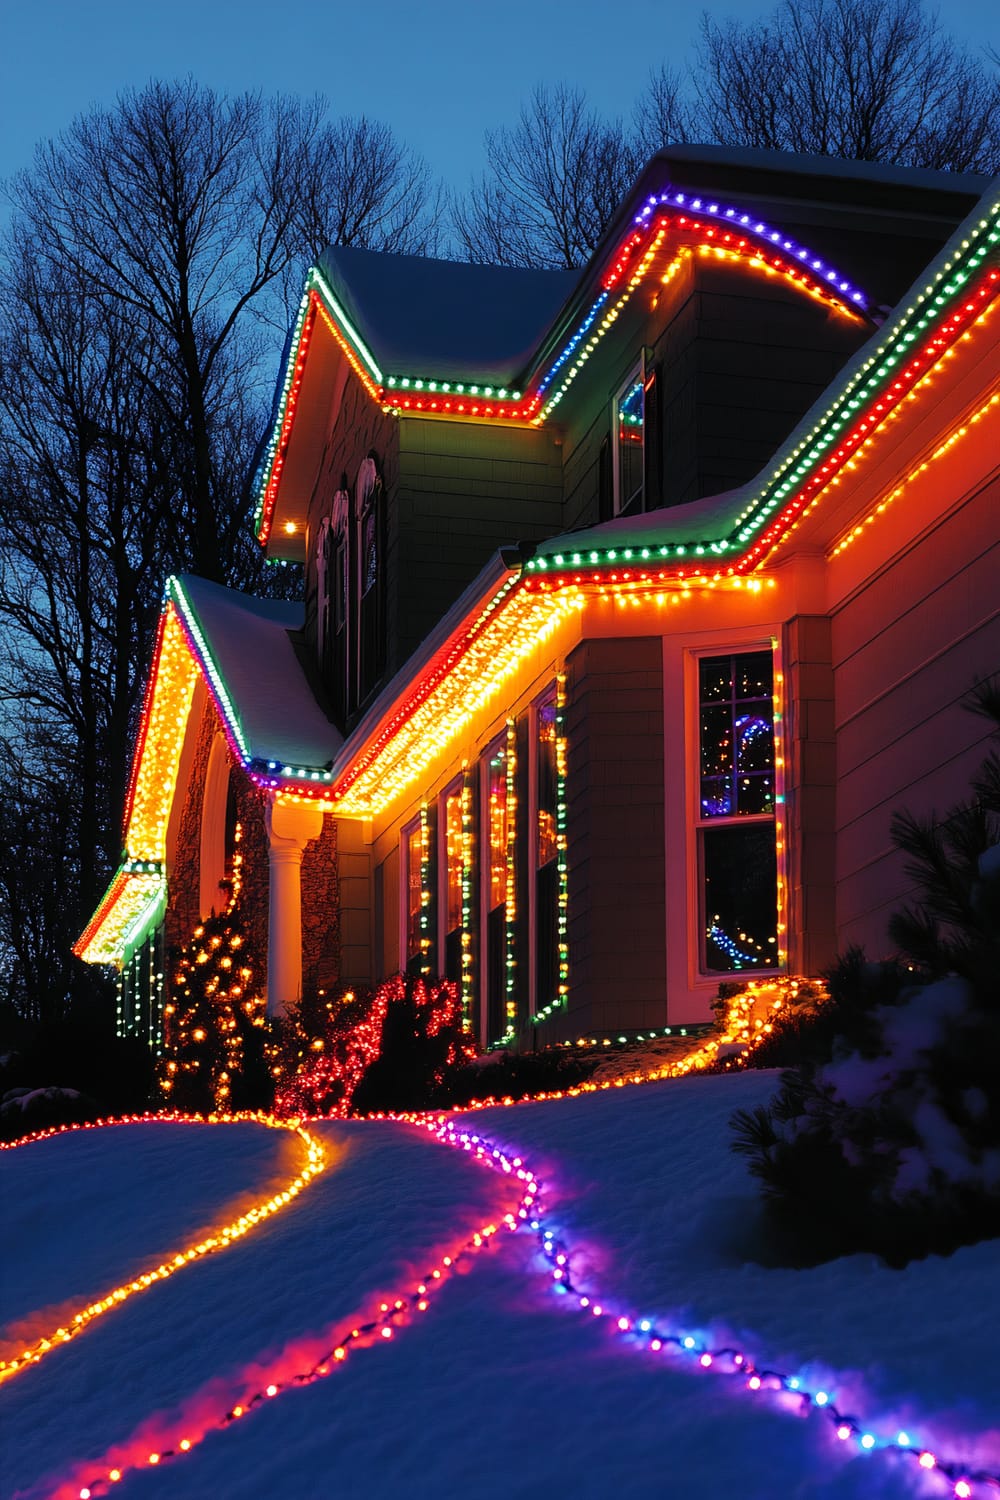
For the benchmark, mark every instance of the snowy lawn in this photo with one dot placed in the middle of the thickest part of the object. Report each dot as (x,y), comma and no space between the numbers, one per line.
(502,1387)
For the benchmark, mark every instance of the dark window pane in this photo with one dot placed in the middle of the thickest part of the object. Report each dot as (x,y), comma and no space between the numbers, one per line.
(716,797)
(630,423)
(715,679)
(716,741)
(548,846)
(754,794)
(753,675)
(741,898)
(754,741)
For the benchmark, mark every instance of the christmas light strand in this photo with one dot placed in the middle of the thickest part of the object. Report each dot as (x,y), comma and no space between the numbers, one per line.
(738,237)
(218,1240)
(99,1478)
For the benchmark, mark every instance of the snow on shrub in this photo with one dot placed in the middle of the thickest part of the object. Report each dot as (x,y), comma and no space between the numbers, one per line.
(886,1135)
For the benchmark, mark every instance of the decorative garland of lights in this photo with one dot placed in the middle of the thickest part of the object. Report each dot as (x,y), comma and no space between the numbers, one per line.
(510,893)
(560,1000)
(466,978)
(950,442)
(392,1315)
(878,385)
(749,1018)
(220,1239)
(658,1337)
(426,940)
(738,236)
(428,721)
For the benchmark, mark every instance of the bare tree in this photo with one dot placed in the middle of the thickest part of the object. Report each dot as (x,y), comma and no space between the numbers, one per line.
(145,256)
(866,80)
(663,115)
(553,182)
(364,188)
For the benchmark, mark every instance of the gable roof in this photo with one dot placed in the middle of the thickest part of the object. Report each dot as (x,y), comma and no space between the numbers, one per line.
(430,337)
(469,323)
(244,650)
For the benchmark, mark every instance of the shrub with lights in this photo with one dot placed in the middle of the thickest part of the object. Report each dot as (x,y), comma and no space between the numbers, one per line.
(365,1051)
(886,1136)
(215,1030)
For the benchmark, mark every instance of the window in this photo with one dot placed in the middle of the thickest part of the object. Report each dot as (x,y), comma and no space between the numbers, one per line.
(546,851)
(452,868)
(332,554)
(370,652)
(736,812)
(495,874)
(412,893)
(629,422)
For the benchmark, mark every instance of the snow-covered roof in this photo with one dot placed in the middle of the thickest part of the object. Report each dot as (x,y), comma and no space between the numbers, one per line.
(257,672)
(446,318)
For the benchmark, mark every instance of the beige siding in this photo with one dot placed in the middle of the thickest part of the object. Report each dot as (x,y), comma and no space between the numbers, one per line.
(907,646)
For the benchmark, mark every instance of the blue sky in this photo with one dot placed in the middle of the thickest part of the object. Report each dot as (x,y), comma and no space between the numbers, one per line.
(438,71)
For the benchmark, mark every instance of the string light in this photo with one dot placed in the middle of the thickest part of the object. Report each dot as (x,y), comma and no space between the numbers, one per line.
(211,1244)
(392,1315)
(733,238)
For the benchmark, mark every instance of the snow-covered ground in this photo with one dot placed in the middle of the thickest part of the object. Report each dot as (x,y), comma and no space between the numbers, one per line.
(502,1387)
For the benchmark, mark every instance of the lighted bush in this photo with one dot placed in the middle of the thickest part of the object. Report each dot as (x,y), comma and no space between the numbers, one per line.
(368,1051)
(886,1136)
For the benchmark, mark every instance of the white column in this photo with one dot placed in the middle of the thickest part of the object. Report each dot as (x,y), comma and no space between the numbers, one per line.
(290,826)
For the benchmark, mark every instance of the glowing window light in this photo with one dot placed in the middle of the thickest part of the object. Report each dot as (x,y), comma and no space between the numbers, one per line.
(220,1239)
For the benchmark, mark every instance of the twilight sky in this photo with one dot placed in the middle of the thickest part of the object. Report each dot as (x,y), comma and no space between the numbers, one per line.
(439,72)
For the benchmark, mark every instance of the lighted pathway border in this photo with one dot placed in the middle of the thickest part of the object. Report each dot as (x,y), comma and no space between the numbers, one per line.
(643,1334)
(660,1339)
(219,1239)
(377,1331)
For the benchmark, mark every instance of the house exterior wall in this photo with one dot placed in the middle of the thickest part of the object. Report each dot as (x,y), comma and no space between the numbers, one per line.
(915,626)
(464,492)
(616,847)
(740,358)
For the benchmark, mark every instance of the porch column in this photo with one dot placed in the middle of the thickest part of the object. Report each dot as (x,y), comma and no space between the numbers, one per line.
(290,826)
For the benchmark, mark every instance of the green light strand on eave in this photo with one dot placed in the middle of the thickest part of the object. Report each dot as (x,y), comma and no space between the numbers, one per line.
(865,385)
(347,328)
(227,708)
(145,921)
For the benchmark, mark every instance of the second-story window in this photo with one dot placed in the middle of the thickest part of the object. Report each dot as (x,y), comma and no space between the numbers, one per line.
(629,426)
(370,655)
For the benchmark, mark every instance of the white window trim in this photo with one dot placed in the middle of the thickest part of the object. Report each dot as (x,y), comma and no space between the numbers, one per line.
(636,373)
(697,823)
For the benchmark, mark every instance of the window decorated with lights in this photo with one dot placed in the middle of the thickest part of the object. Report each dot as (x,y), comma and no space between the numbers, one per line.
(413,858)
(629,425)
(550,883)
(452,870)
(496,878)
(736,812)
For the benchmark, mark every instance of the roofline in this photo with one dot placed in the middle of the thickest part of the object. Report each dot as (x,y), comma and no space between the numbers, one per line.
(606,283)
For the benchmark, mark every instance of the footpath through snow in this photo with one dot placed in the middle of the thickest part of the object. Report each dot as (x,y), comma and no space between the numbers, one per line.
(501,1385)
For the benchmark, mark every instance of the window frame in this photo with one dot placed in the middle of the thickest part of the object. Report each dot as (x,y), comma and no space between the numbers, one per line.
(699,824)
(620,505)
(498,745)
(454,788)
(410,837)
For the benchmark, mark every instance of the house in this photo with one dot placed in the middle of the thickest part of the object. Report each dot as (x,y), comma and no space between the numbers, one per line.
(636,600)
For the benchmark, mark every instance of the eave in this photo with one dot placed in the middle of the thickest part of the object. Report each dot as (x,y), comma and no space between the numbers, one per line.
(666,228)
